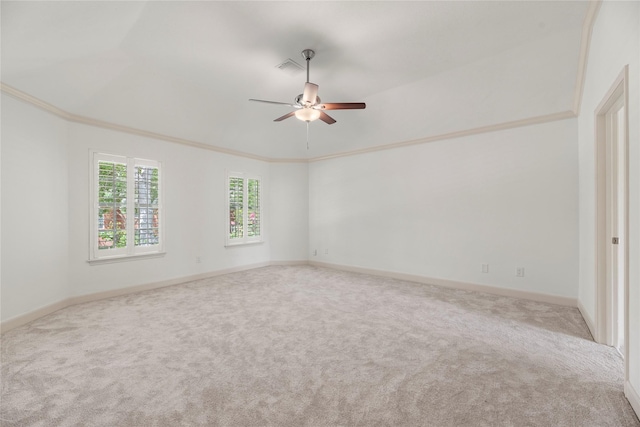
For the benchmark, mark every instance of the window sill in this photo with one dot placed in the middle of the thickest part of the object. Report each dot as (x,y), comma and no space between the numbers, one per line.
(234,244)
(124,258)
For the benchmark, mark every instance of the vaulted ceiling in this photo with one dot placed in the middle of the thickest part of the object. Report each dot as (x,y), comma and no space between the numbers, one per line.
(187,69)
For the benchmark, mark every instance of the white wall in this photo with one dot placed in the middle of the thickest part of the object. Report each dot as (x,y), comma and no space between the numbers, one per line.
(194,192)
(289,211)
(615,43)
(34,208)
(45,210)
(440,210)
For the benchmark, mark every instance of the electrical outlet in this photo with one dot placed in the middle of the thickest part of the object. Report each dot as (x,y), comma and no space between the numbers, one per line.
(485,268)
(520,272)
(326,251)
(315,252)
(198,260)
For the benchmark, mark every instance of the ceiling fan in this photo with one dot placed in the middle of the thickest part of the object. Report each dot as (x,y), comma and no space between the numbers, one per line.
(308,105)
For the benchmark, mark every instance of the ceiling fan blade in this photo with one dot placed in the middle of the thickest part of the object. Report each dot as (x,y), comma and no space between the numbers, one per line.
(310,93)
(286,116)
(326,118)
(342,106)
(274,102)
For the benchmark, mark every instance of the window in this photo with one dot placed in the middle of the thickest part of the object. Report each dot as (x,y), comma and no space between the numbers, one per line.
(126,212)
(244,219)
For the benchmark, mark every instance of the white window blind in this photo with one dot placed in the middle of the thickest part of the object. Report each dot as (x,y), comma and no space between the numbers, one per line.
(112,206)
(147,214)
(126,211)
(253,208)
(244,213)
(236,208)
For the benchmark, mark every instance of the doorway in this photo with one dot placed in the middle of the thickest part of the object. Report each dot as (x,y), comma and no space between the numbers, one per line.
(612,250)
(616,203)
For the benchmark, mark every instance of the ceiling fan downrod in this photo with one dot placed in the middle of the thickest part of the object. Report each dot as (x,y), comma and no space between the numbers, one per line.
(307,54)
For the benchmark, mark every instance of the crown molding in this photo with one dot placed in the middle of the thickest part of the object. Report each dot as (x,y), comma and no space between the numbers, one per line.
(563,115)
(587,29)
(126,129)
(147,134)
(585,43)
(9,90)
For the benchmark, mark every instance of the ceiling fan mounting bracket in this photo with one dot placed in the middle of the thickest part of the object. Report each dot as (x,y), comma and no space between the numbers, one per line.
(308,54)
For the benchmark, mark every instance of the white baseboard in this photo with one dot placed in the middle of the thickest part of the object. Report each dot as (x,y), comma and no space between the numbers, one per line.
(633,397)
(23,319)
(587,319)
(301,262)
(515,293)
(155,285)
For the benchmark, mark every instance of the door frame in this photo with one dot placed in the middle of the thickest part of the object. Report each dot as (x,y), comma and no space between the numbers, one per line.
(618,90)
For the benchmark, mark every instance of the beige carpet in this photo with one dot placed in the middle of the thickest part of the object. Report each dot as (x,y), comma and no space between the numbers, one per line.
(304,346)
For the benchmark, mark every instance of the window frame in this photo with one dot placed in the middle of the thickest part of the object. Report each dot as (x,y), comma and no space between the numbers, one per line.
(245,239)
(130,251)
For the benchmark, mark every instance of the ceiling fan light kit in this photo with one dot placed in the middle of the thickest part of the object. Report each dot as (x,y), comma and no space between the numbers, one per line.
(308,104)
(307,114)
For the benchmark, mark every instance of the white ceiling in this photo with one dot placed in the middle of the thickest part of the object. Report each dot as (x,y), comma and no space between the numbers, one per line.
(187,69)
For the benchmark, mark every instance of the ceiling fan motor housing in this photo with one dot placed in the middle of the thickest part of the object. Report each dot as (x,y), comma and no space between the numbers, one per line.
(298,100)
